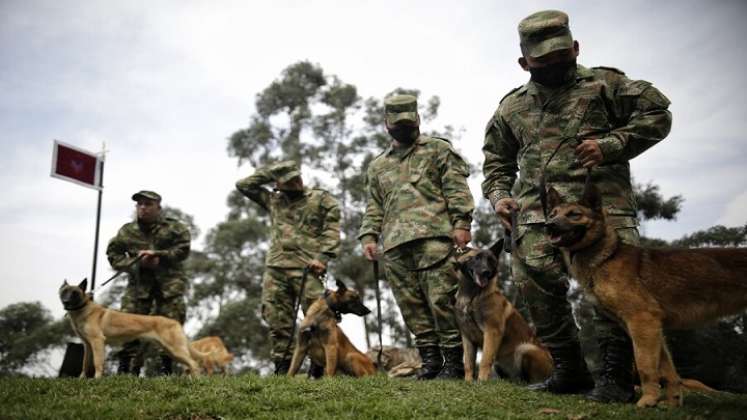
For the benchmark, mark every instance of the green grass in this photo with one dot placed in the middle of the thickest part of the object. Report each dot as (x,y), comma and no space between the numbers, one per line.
(250,396)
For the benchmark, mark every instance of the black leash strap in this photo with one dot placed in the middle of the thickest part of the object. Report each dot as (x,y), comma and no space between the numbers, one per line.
(130,264)
(295,312)
(378,309)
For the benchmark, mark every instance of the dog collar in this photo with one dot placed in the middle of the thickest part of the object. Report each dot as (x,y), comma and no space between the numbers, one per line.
(338,314)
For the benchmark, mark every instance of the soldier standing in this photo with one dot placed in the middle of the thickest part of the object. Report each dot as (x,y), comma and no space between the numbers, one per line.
(157,278)
(305,233)
(566,119)
(420,207)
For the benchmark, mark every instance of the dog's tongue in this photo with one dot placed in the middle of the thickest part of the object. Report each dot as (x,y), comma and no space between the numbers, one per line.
(479,281)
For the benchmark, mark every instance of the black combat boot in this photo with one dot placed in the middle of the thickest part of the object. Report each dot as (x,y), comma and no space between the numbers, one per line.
(453,363)
(432,362)
(315,371)
(569,375)
(167,365)
(281,366)
(615,382)
(124,365)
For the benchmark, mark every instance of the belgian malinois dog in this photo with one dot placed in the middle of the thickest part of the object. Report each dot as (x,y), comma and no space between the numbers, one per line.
(647,290)
(487,319)
(97,325)
(397,362)
(321,338)
(218,357)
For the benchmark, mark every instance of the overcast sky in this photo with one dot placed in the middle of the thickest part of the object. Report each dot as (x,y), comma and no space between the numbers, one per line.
(164,83)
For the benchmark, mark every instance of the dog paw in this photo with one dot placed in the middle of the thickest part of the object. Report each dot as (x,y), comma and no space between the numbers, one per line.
(647,401)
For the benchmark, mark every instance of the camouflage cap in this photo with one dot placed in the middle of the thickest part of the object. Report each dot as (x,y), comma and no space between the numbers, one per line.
(286,170)
(544,32)
(401,108)
(150,195)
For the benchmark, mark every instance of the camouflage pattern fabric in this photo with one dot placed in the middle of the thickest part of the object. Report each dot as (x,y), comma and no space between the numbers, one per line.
(531,123)
(539,272)
(157,291)
(423,278)
(626,116)
(280,289)
(417,193)
(302,229)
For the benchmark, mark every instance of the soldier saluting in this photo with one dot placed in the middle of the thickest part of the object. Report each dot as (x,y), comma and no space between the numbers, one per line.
(566,119)
(305,233)
(420,207)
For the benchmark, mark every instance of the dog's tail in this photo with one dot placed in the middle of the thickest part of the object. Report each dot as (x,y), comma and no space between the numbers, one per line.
(203,358)
(696,385)
(533,361)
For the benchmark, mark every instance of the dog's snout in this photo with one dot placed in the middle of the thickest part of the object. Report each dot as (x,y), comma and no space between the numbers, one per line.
(486,274)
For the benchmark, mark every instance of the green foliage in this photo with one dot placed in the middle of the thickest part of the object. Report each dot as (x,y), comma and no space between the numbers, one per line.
(249,396)
(716,236)
(26,330)
(652,205)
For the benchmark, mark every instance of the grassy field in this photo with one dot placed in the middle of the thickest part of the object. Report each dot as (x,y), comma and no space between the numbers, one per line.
(378,397)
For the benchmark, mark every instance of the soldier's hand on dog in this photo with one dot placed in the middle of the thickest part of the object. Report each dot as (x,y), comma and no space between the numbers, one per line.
(461,237)
(149,258)
(370,251)
(589,154)
(503,208)
(317,267)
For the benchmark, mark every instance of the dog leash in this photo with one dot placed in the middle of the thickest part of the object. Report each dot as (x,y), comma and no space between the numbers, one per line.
(378,309)
(130,264)
(295,312)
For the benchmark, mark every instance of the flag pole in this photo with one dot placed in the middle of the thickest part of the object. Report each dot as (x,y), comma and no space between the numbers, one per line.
(98,219)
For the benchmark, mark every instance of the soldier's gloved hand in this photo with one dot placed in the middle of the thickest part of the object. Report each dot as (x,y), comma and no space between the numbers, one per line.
(461,237)
(317,267)
(370,251)
(503,208)
(589,154)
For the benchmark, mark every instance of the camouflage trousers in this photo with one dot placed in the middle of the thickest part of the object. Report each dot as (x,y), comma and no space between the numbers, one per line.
(540,273)
(280,289)
(423,278)
(151,295)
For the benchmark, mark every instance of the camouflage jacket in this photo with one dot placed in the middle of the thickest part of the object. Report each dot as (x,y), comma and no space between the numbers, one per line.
(418,193)
(303,229)
(169,237)
(626,116)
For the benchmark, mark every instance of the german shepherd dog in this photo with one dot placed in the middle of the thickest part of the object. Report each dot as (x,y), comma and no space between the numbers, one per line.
(97,325)
(218,357)
(321,338)
(487,319)
(647,290)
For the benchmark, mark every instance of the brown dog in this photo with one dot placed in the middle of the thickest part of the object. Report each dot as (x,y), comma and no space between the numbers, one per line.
(487,319)
(218,357)
(97,325)
(397,362)
(321,338)
(647,289)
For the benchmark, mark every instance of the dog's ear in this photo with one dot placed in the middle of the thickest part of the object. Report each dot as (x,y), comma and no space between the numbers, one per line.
(64,283)
(591,198)
(83,284)
(340,285)
(553,198)
(497,247)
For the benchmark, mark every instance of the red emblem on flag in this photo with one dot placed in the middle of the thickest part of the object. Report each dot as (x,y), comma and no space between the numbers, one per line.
(76,165)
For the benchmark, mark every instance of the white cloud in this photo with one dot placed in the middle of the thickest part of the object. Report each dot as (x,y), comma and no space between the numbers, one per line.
(735,213)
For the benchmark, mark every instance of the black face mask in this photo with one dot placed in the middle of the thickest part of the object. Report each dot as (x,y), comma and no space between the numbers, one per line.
(404,134)
(293,194)
(554,75)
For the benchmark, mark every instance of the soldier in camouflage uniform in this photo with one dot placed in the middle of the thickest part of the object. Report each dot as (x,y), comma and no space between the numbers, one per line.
(420,207)
(590,118)
(305,233)
(157,278)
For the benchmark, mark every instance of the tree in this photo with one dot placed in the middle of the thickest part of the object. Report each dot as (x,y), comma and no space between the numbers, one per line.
(26,331)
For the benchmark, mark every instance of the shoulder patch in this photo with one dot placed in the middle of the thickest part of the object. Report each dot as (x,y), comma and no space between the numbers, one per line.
(612,69)
(509,93)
